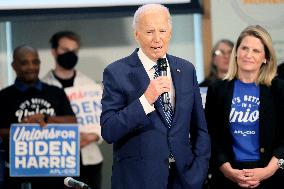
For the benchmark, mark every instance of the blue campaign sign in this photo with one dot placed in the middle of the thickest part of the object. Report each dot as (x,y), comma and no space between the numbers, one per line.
(49,151)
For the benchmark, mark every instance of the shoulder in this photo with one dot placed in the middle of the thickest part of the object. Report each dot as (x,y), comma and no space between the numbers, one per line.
(51,89)
(122,66)
(121,63)
(277,86)
(180,61)
(7,91)
(277,82)
(48,76)
(204,83)
(222,83)
(51,80)
(221,86)
(83,79)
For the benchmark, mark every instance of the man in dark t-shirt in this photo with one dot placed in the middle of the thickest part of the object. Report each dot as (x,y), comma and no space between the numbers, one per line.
(29,100)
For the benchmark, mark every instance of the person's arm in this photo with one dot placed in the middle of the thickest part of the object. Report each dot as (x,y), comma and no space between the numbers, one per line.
(62,119)
(64,112)
(88,138)
(260,174)
(44,119)
(199,133)
(241,177)
(119,117)
(4,133)
(199,138)
(4,136)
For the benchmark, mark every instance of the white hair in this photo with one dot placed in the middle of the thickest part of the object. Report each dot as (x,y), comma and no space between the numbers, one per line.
(144,8)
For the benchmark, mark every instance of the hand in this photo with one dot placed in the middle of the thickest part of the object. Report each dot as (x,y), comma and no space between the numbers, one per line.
(234,175)
(36,118)
(247,178)
(252,178)
(257,175)
(87,138)
(156,87)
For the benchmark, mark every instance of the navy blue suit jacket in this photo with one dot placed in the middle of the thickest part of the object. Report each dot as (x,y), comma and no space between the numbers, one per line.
(142,143)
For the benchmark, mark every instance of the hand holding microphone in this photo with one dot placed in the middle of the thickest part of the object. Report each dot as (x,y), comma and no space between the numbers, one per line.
(70,182)
(160,85)
(162,65)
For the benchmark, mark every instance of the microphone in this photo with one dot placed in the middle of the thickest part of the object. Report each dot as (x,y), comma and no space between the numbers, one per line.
(70,182)
(162,66)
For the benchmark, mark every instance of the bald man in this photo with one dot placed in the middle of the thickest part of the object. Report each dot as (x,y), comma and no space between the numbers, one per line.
(157,144)
(21,102)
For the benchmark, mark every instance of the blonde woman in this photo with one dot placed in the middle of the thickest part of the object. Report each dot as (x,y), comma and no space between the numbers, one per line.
(245,116)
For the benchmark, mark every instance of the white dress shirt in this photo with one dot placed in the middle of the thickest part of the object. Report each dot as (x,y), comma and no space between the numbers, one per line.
(148,66)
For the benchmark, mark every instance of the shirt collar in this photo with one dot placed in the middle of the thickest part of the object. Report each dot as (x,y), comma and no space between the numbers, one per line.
(24,87)
(147,62)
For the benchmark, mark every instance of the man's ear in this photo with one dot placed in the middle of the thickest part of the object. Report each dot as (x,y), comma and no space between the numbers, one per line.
(135,33)
(53,52)
(13,65)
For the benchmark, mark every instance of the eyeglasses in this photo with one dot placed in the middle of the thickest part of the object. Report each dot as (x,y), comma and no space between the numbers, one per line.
(219,52)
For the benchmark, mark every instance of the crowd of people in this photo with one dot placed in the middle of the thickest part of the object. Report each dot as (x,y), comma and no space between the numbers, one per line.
(152,111)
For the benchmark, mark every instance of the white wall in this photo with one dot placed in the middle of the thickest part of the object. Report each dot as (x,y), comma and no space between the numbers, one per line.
(104,40)
(230,17)
(5,54)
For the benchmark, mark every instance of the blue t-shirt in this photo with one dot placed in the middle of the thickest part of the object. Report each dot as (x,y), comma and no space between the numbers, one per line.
(244,121)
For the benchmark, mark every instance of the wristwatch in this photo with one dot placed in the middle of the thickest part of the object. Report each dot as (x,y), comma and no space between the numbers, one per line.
(281,163)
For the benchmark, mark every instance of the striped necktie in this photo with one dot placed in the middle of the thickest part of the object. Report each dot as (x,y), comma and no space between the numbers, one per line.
(168,115)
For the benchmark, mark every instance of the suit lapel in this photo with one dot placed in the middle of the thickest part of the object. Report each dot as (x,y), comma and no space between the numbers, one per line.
(138,75)
(140,79)
(158,106)
(176,79)
(228,96)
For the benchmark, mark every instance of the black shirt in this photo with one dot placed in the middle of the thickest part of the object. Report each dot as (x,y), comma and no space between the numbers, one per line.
(19,100)
(66,82)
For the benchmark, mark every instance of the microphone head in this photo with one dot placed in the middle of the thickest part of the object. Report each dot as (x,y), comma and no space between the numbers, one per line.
(162,64)
(72,183)
(66,181)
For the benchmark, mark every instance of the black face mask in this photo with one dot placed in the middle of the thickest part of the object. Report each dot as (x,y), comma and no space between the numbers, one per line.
(67,60)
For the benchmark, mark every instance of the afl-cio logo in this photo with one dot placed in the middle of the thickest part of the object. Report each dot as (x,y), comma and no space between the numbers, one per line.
(267,13)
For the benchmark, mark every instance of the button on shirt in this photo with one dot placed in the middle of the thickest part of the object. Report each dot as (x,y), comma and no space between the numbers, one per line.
(148,66)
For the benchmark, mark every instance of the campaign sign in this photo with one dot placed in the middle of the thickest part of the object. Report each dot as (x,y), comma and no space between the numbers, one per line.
(203,93)
(49,151)
(86,104)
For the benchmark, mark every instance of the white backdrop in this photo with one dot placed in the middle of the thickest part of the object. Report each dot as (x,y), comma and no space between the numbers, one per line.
(230,17)
(37,4)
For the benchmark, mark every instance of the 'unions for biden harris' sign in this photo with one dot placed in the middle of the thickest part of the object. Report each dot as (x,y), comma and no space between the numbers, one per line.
(86,104)
(49,151)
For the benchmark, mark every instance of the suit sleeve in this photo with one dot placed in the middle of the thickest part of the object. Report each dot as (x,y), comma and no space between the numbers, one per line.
(119,117)
(278,86)
(199,138)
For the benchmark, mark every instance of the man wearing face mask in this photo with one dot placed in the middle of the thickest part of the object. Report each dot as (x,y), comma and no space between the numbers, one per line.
(65,46)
